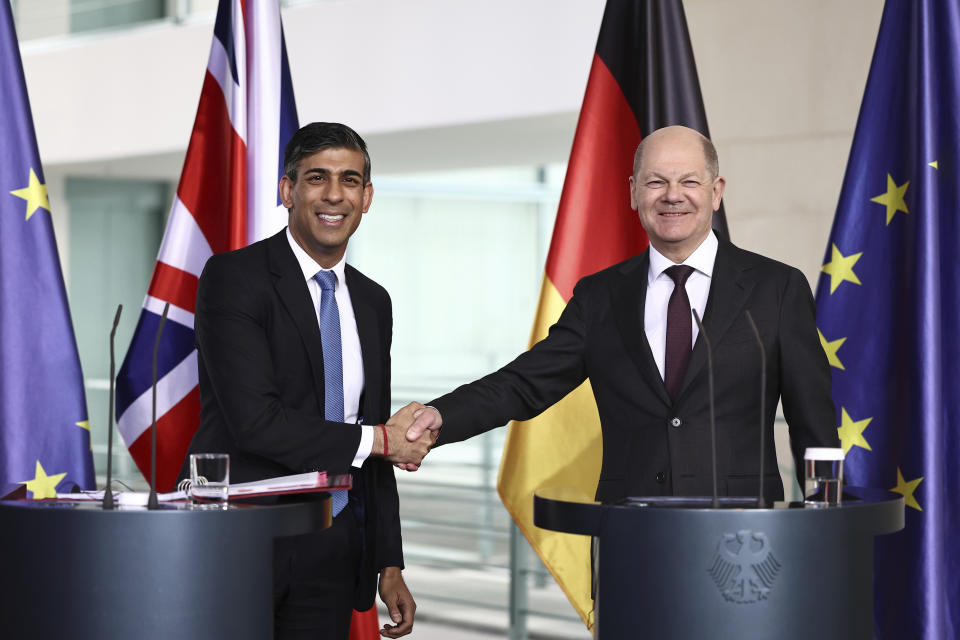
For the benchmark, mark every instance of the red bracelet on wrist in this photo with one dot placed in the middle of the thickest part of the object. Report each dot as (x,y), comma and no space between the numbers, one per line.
(386,444)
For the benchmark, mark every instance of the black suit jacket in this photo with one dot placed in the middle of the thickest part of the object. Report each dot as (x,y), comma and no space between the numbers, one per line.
(653,445)
(261,384)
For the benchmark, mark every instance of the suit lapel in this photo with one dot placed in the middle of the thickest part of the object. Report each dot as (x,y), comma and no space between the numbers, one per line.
(730,287)
(627,301)
(370,341)
(292,289)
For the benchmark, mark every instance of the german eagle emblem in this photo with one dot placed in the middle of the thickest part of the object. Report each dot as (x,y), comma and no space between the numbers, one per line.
(744,567)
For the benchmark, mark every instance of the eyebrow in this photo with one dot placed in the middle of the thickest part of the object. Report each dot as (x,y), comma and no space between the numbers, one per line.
(654,174)
(323,171)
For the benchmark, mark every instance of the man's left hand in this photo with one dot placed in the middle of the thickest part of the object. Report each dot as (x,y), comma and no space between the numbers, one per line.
(400,605)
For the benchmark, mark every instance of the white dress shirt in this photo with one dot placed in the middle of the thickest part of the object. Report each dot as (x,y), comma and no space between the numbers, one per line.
(349,340)
(660,287)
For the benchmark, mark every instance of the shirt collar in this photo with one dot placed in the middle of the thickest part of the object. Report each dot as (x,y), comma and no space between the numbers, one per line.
(309,266)
(701,259)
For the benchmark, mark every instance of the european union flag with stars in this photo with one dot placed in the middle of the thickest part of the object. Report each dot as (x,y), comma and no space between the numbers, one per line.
(44,432)
(888,310)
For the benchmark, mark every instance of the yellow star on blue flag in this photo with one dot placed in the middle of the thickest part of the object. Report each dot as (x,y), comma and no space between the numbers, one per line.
(35,193)
(851,432)
(892,199)
(43,486)
(840,268)
(906,488)
(830,347)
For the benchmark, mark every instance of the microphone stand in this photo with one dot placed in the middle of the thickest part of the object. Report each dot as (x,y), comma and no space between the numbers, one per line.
(108,492)
(713,424)
(761,502)
(152,502)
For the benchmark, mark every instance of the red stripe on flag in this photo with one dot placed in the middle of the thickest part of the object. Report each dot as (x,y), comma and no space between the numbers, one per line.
(595,225)
(213,181)
(175,430)
(174,286)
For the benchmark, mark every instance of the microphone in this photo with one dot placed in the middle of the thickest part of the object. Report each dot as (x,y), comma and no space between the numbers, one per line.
(152,502)
(761,502)
(713,424)
(107,492)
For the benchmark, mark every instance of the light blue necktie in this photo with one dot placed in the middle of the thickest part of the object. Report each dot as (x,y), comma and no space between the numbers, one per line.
(332,363)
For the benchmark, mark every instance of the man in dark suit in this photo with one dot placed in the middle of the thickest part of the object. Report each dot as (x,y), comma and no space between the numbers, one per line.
(294,359)
(629,329)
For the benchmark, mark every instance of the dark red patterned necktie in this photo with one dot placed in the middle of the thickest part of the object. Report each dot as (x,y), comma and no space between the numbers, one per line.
(679,330)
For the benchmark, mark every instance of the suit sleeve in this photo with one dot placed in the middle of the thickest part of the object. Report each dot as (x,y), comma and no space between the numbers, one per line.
(804,374)
(389,546)
(530,384)
(231,331)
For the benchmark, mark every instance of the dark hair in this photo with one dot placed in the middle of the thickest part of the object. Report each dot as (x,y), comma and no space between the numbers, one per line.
(318,136)
(709,155)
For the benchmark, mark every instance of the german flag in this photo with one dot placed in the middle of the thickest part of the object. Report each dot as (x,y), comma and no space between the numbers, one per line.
(643,77)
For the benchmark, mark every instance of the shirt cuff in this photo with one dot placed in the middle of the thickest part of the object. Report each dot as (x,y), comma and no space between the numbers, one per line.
(366,445)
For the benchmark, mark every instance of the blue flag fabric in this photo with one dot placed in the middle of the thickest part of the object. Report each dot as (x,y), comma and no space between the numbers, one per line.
(888,309)
(44,432)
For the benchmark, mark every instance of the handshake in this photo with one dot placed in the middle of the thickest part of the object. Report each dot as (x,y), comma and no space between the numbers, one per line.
(408,435)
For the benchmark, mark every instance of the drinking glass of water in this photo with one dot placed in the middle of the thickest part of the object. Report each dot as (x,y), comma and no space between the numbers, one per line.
(209,477)
(823,473)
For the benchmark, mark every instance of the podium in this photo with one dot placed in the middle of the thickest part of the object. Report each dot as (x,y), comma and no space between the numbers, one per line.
(71,570)
(675,568)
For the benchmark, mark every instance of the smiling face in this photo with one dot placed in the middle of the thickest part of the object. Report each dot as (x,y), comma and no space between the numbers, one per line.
(326,202)
(674,192)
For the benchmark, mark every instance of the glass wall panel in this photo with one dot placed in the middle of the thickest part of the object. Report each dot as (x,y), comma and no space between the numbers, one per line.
(462,257)
(88,15)
(115,232)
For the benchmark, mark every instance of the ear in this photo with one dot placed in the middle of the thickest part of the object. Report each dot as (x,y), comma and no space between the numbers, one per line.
(718,186)
(286,191)
(633,196)
(367,196)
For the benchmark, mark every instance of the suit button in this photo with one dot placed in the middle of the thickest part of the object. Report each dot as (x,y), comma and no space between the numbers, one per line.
(661,477)
(675,421)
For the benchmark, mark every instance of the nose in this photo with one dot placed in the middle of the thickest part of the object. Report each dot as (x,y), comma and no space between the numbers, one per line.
(672,193)
(334,192)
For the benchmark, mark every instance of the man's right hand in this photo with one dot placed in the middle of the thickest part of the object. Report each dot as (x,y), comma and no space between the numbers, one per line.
(426,423)
(400,449)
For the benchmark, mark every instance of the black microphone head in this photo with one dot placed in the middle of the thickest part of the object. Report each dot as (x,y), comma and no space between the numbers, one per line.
(116,319)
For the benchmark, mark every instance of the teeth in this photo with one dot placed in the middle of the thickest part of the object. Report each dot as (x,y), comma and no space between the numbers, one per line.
(331,218)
